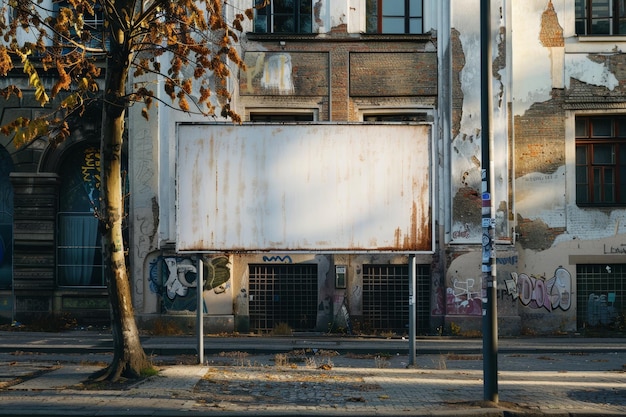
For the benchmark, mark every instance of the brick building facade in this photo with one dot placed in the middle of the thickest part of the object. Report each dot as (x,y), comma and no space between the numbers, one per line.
(558,123)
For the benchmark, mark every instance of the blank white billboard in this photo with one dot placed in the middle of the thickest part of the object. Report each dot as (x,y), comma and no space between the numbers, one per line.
(304,187)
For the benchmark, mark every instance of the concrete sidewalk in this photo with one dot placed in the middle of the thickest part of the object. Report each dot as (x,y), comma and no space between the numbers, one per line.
(537,377)
(244,390)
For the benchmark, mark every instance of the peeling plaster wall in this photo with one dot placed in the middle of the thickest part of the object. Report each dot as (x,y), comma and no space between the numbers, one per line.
(465,164)
(557,76)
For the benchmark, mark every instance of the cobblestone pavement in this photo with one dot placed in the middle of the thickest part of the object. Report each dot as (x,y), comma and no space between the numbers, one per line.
(235,383)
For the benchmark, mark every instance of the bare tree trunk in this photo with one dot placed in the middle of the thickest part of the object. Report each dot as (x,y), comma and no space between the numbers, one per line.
(129,358)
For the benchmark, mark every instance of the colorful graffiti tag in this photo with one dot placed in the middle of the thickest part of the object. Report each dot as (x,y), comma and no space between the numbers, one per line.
(539,292)
(174,279)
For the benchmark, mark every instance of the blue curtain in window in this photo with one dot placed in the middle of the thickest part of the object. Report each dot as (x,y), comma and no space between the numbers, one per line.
(78,234)
(79,260)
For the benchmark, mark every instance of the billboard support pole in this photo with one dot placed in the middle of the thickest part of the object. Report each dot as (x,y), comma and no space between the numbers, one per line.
(412,326)
(199,310)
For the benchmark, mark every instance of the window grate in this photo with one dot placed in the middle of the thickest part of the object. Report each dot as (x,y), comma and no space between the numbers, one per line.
(283,294)
(386,298)
(601,289)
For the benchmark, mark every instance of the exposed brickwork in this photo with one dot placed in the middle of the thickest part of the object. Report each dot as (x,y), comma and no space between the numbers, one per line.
(330,73)
(540,138)
(458,62)
(581,95)
(309,73)
(535,234)
(551,34)
(384,80)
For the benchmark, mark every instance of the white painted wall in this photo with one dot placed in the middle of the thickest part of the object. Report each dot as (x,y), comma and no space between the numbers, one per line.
(465,163)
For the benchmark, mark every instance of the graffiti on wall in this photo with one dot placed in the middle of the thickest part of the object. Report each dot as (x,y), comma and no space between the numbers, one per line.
(284,259)
(175,280)
(539,292)
(464,297)
(601,309)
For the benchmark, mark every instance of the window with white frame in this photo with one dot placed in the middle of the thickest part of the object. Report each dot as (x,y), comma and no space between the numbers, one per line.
(395,16)
(601,17)
(284,16)
(601,160)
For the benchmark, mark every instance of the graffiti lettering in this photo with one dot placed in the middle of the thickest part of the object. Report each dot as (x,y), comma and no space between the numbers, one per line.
(464,298)
(613,249)
(535,293)
(285,259)
(464,233)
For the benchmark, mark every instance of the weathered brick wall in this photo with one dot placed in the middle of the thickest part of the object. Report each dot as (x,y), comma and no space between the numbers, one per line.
(341,74)
(540,137)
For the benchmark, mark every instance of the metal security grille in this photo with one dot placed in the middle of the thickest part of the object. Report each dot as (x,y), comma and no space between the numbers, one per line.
(386,298)
(601,291)
(283,294)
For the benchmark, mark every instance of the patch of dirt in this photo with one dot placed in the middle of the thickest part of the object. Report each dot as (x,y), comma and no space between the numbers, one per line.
(272,386)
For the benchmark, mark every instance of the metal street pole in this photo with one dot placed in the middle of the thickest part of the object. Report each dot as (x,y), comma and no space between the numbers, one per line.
(490,314)
(412,321)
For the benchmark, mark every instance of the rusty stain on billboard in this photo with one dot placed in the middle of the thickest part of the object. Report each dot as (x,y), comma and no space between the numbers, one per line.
(304,187)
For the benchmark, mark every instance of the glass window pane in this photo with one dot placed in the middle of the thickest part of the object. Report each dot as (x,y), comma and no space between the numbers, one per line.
(260,24)
(580,8)
(283,6)
(581,175)
(609,185)
(600,8)
(393,25)
(415,8)
(284,24)
(393,7)
(582,193)
(306,24)
(621,127)
(581,127)
(306,7)
(581,155)
(622,184)
(603,154)
(602,127)
(601,27)
(260,18)
(415,26)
